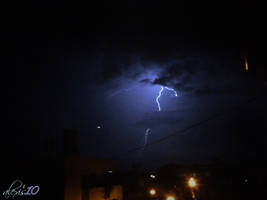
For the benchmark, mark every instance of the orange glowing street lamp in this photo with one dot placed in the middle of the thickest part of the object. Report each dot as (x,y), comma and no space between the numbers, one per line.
(192,182)
(152,192)
(170,198)
(246,64)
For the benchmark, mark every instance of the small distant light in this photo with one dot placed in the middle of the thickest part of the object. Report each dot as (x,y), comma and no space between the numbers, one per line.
(98,127)
(246,64)
(152,176)
(170,198)
(152,192)
(110,171)
(246,180)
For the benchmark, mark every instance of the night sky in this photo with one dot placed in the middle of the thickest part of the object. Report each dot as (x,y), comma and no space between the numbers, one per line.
(99,71)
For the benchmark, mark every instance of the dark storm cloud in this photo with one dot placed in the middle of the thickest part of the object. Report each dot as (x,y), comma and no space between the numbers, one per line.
(187,70)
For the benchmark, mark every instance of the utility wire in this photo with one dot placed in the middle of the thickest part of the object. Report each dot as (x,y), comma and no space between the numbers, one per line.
(215,116)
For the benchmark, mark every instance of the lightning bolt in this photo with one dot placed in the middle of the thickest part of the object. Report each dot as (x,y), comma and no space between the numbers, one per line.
(160,93)
(175,93)
(148,131)
(139,154)
(157,99)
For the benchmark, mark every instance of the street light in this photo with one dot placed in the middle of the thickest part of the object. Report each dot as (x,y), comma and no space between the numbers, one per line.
(170,198)
(152,192)
(192,182)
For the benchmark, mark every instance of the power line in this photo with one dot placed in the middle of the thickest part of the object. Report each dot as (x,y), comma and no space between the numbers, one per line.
(215,116)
